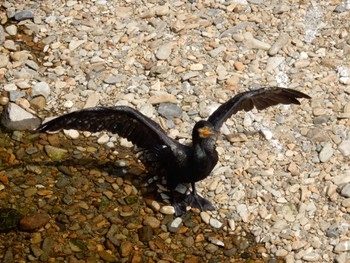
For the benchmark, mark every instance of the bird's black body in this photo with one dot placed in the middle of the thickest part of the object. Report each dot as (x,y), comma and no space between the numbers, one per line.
(182,163)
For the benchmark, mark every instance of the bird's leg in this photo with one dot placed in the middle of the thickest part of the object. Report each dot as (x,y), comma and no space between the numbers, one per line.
(179,204)
(195,200)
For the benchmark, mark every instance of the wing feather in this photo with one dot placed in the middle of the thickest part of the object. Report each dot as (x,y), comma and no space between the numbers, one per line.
(260,99)
(125,121)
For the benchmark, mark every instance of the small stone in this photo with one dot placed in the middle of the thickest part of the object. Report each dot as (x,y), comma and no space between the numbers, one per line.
(342,179)
(253,43)
(30,191)
(301,63)
(211,248)
(4,60)
(345,191)
(20,56)
(215,223)
(274,62)
(344,148)
(103,139)
(33,222)
(342,246)
(23,15)
(11,30)
(169,110)
(311,257)
(72,134)
(145,233)
(281,41)
(41,88)
(167,210)
(239,66)
(126,248)
(152,222)
(326,153)
(55,153)
(205,217)
(243,212)
(175,225)
(74,44)
(16,118)
(196,67)
(164,51)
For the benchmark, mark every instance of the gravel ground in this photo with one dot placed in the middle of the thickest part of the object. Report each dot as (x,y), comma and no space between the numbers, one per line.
(282,185)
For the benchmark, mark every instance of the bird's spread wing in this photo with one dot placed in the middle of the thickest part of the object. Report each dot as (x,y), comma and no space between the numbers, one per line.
(260,99)
(125,121)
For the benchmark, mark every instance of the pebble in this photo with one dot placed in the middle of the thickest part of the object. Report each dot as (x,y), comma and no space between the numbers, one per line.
(167,210)
(344,148)
(103,139)
(41,89)
(152,222)
(73,134)
(55,153)
(326,153)
(23,15)
(342,246)
(175,225)
(4,60)
(345,191)
(11,30)
(251,42)
(274,62)
(215,223)
(169,110)
(33,222)
(205,217)
(281,41)
(16,118)
(164,51)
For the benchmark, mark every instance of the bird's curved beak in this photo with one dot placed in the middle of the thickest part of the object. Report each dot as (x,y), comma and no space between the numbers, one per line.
(206,132)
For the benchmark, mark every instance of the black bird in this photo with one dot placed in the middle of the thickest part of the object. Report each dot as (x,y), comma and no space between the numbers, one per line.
(182,163)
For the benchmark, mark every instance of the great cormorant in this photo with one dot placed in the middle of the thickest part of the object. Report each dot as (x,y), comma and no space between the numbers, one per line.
(182,163)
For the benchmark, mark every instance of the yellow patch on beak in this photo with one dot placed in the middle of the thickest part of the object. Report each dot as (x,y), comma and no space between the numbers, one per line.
(206,132)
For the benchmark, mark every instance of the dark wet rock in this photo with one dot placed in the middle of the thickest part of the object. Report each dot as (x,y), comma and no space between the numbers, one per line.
(145,233)
(63,182)
(9,219)
(16,118)
(33,222)
(107,256)
(46,248)
(126,248)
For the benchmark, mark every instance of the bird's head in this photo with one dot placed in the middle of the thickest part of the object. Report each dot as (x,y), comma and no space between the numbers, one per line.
(203,130)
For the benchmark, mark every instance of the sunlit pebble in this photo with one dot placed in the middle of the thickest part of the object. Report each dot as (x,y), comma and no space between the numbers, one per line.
(68,104)
(4,100)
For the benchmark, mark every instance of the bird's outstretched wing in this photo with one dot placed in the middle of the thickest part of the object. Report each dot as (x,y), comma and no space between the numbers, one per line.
(260,99)
(123,120)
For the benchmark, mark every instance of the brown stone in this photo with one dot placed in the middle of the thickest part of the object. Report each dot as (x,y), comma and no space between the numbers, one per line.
(33,222)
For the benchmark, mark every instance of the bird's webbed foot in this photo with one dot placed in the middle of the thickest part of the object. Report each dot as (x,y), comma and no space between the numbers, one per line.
(180,207)
(196,201)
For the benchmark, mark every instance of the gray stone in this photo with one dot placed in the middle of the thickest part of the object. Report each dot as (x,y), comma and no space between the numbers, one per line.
(16,118)
(215,223)
(253,43)
(169,110)
(345,191)
(274,62)
(281,41)
(342,246)
(175,225)
(344,148)
(164,51)
(41,89)
(23,15)
(326,153)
